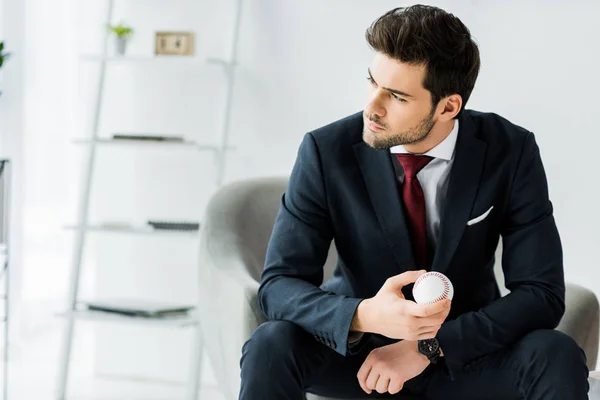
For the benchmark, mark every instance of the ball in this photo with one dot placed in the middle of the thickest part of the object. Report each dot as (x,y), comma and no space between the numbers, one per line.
(432,287)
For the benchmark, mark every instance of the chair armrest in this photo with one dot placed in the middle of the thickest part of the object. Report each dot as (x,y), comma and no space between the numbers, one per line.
(234,235)
(227,308)
(581,320)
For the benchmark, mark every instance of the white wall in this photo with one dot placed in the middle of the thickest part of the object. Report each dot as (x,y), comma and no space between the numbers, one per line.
(302,64)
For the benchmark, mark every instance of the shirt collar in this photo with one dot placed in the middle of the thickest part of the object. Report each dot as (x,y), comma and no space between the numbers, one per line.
(444,149)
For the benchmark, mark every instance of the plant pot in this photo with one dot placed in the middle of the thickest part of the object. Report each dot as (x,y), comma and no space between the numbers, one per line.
(121,45)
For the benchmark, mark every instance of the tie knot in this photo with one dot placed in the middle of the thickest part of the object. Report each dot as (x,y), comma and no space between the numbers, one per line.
(412,164)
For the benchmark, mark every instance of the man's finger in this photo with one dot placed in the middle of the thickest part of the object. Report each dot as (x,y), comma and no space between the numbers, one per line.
(362,375)
(427,335)
(435,319)
(382,384)
(426,329)
(397,282)
(441,314)
(395,386)
(372,380)
(427,310)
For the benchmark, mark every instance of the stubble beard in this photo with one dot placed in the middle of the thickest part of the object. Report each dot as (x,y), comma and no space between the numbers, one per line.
(384,141)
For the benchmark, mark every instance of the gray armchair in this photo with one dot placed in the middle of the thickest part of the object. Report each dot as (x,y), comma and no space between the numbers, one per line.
(234,237)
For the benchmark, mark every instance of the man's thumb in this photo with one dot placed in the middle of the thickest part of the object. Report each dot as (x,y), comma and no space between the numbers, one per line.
(397,282)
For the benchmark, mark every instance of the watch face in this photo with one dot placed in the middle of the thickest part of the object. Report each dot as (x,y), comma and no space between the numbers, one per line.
(429,347)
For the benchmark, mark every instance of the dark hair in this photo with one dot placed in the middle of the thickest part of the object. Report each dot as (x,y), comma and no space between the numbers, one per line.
(430,36)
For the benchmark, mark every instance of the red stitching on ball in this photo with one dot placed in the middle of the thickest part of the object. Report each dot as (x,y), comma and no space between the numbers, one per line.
(442,278)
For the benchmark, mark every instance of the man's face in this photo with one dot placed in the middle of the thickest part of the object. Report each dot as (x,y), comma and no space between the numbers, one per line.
(398,110)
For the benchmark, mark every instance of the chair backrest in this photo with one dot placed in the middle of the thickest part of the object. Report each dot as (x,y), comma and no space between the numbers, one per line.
(244,213)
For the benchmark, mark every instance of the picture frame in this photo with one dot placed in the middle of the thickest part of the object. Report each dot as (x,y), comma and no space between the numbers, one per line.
(174,43)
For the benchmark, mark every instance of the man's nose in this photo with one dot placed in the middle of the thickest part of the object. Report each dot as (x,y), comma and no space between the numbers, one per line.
(375,105)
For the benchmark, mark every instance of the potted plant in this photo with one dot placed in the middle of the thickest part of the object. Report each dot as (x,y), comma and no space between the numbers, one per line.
(122,34)
(3,56)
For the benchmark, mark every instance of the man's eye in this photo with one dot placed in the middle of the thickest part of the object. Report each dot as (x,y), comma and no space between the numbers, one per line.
(400,99)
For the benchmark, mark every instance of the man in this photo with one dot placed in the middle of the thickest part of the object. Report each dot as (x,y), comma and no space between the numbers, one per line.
(415,183)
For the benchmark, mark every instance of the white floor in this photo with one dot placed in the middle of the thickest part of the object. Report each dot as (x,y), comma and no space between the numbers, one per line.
(34,364)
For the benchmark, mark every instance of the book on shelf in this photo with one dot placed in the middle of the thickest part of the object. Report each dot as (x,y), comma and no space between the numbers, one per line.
(175,225)
(147,137)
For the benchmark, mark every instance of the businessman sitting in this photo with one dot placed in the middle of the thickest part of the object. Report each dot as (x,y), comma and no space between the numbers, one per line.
(415,182)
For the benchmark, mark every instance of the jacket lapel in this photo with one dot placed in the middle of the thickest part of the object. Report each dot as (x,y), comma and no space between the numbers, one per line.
(380,180)
(462,189)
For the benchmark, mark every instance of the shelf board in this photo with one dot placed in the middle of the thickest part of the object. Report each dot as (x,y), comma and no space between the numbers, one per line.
(101,316)
(136,230)
(133,142)
(185,143)
(149,143)
(158,59)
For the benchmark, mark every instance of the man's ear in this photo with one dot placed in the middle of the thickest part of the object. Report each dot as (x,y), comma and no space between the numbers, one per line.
(449,107)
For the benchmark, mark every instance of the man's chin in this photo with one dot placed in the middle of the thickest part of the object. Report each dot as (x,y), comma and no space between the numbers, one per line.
(370,138)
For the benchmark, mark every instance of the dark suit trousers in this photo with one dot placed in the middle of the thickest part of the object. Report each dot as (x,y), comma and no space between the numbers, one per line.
(282,361)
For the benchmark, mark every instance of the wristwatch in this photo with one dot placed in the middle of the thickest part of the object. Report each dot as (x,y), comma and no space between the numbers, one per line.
(430,348)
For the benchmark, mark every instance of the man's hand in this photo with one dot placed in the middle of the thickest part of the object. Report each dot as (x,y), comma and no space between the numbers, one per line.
(391,315)
(387,368)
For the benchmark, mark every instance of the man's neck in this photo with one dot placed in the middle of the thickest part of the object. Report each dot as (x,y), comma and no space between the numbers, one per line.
(439,132)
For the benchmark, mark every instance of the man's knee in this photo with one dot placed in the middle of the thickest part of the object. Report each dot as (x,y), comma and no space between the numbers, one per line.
(552,364)
(274,340)
(554,346)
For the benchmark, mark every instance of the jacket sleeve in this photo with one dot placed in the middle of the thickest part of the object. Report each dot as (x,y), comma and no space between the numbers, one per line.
(533,268)
(297,251)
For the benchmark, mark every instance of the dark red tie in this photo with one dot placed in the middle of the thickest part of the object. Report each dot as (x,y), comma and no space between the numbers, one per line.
(414,203)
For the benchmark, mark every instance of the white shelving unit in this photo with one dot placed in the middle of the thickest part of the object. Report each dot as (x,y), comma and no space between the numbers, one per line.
(136,230)
(83,225)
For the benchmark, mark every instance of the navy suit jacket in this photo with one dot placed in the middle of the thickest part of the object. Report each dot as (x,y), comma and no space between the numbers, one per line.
(341,189)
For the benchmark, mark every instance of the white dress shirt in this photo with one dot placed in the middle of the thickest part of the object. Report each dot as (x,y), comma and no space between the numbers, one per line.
(433,179)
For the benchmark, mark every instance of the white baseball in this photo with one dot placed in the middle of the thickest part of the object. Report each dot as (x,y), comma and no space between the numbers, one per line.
(432,287)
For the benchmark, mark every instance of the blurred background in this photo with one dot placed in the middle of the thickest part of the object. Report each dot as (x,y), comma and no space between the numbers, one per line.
(298,65)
